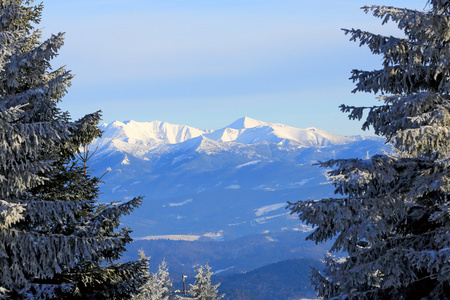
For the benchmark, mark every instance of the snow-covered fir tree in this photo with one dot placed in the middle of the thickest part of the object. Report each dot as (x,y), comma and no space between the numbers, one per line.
(149,290)
(393,218)
(56,240)
(163,282)
(159,286)
(202,288)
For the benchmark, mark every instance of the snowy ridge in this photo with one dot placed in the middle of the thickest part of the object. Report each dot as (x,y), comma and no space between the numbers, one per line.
(250,131)
(243,173)
(151,131)
(246,122)
(139,138)
(130,136)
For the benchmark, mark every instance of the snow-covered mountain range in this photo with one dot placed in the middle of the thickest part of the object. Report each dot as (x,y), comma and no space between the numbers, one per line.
(217,184)
(141,138)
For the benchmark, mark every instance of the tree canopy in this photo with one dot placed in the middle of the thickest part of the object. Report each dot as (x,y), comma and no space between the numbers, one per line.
(392,218)
(56,240)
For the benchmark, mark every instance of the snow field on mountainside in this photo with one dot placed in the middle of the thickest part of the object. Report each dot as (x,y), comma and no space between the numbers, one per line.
(141,138)
(266,209)
(194,183)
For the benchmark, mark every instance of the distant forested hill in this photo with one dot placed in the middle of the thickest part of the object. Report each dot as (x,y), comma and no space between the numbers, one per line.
(227,257)
(288,279)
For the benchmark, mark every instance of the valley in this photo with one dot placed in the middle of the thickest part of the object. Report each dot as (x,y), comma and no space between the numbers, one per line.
(220,196)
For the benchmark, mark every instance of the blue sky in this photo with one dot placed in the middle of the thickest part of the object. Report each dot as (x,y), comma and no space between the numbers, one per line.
(206,63)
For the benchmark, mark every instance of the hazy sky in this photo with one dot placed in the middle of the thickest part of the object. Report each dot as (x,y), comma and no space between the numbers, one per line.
(206,63)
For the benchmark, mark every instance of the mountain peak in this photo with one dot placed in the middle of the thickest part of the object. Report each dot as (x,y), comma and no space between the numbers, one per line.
(247,122)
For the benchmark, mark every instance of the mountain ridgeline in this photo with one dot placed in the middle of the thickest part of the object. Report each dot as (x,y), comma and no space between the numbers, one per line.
(218,197)
(218,184)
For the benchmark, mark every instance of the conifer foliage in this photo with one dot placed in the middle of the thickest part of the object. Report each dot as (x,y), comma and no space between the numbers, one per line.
(202,288)
(158,286)
(393,218)
(56,240)
(163,283)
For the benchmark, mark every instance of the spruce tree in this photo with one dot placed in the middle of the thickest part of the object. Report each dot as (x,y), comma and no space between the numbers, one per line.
(149,290)
(202,288)
(158,286)
(392,219)
(56,240)
(163,283)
